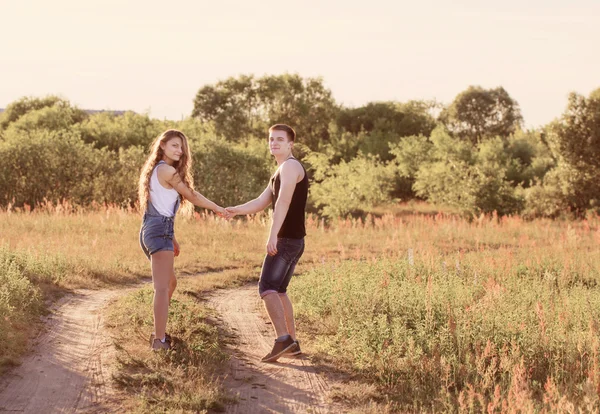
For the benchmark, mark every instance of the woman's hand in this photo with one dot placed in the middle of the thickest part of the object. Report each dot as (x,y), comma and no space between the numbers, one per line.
(176,249)
(221,212)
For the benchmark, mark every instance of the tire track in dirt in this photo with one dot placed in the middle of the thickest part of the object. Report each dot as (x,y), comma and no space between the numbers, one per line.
(291,385)
(66,372)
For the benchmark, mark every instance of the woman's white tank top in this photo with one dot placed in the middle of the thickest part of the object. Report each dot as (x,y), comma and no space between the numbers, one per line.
(163,199)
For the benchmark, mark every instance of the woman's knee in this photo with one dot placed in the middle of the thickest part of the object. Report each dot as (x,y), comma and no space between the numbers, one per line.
(161,290)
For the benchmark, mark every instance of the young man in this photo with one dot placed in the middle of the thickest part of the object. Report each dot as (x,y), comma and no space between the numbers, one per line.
(287,191)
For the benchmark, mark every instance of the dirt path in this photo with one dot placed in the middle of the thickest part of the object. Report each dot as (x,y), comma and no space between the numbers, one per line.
(292,385)
(66,372)
(70,368)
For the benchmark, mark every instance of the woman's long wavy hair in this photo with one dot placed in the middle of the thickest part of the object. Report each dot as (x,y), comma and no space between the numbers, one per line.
(183,168)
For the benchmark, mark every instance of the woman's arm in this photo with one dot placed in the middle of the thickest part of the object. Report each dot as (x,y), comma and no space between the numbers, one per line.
(170,175)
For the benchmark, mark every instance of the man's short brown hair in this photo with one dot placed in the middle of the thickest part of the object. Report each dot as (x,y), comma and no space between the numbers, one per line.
(283,127)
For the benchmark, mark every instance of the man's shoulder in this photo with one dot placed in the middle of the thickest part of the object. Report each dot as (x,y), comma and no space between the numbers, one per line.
(293,165)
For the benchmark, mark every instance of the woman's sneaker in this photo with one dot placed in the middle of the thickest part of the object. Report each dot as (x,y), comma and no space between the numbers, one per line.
(295,350)
(157,345)
(167,338)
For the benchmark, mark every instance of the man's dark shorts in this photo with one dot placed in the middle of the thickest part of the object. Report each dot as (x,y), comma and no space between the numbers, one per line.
(278,270)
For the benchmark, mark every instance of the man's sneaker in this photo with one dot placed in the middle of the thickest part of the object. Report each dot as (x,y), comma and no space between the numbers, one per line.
(167,338)
(295,350)
(157,345)
(279,348)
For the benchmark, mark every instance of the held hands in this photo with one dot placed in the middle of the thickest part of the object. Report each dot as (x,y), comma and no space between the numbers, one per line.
(231,212)
(227,213)
(220,211)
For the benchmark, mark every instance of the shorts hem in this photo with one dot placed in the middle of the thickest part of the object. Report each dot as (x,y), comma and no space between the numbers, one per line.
(162,249)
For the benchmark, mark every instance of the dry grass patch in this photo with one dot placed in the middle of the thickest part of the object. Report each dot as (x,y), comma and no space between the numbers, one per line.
(183,379)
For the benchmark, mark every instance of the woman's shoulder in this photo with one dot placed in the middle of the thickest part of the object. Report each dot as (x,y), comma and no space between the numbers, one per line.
(165,169)
(165,172)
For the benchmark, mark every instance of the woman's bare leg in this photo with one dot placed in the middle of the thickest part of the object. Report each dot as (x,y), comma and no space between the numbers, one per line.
(162,269)
(172,284)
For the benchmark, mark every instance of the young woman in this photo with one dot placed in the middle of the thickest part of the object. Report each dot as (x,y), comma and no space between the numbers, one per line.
(165,182)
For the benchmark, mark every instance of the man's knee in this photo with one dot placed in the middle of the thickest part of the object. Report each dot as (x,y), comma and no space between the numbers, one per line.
(265,293)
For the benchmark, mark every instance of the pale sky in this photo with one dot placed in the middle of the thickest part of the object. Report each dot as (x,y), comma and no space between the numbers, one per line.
(153,56)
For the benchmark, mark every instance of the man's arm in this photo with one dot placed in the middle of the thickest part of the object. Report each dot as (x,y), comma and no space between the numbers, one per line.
(254,206)
(289,174)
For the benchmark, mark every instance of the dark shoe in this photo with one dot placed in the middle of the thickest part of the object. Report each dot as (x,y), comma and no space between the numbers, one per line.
(279,348)
(157,345)
(167,338)
(295,350)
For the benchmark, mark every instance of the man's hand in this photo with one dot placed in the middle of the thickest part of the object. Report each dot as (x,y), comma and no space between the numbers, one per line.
(272,246)
(176,249)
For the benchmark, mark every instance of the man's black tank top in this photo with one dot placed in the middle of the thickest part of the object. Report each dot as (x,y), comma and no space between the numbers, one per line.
(293,226)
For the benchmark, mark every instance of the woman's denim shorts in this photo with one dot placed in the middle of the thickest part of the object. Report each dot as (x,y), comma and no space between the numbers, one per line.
(156,234)
(277,270)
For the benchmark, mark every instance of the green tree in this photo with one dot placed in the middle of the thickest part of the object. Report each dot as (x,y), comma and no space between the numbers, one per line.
(575,137)
(232,105)
(403,119)
(528,158)
(378,125)
(574,185)
(477,113)
(245,106)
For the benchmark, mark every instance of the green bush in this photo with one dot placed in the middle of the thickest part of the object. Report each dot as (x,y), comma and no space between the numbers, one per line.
(48,165)
(229,174)
(17,109)
(470,178)
(409,154)
(117,177)
(112,131)
(20,301)
(50,118)
(349,187)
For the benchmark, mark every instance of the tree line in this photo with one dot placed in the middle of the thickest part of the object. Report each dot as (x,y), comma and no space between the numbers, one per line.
(472,154)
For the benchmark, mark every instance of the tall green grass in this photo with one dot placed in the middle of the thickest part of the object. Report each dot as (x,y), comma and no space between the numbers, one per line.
(485,316)
(21,298)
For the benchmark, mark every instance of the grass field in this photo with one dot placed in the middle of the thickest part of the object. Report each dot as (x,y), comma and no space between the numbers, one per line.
(432,312)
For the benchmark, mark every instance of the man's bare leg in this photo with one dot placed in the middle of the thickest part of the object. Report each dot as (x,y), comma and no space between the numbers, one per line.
(276,313)
(288,312)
